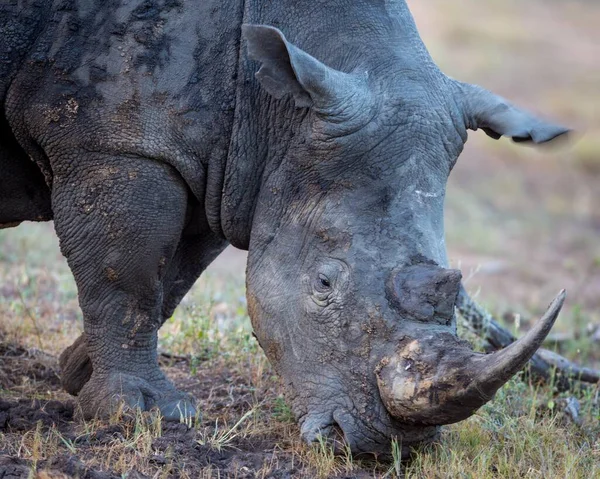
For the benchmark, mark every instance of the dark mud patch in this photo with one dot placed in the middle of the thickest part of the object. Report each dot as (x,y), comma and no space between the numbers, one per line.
(42,437)
(63,466)
(31,368)
(20,415)
(176,452)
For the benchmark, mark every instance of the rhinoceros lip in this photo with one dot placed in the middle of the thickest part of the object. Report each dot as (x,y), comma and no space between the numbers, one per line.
(339,433)
(406,436)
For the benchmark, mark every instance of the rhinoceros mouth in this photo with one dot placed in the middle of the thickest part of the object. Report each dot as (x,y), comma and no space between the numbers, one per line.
(343,430)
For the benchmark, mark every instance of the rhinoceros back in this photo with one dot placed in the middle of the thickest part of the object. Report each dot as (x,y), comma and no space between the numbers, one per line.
(153,79)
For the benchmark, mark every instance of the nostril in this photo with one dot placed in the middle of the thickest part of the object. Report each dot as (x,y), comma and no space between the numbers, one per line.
(425,291)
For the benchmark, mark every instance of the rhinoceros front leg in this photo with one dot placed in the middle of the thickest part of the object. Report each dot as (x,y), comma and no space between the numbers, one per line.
(119,221)
(197,249)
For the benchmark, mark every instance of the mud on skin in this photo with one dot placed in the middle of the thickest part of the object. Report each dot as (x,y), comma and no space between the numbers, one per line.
(318,137)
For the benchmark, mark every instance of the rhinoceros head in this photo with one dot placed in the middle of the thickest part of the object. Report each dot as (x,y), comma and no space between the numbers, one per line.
(349,289)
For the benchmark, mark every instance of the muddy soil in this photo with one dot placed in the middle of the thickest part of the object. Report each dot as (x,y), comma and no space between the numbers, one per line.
(36,413)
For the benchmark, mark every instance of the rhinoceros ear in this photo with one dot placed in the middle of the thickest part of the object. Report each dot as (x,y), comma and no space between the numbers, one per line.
(497,117)
(286,69)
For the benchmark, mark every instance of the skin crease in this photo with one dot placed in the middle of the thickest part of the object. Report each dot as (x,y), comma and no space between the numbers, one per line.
(159,145)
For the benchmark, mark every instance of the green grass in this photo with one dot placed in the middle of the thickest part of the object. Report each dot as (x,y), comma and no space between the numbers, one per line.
(517,435)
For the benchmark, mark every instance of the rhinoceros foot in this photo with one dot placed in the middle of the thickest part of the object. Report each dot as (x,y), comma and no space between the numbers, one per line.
(75,366)
(106,393)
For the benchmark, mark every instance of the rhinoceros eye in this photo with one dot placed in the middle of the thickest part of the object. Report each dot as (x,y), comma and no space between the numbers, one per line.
(327,282)
(322,287)
(324,281)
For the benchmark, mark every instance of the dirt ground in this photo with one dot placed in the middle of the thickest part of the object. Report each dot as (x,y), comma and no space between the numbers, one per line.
(521,224)
(171,449)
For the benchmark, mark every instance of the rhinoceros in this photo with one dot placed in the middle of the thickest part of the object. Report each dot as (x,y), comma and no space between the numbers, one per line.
(317,135)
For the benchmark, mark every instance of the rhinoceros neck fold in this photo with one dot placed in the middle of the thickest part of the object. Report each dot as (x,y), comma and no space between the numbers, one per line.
(345,36)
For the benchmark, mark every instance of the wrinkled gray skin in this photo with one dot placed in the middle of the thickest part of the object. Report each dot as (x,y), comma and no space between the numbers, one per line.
(155,143)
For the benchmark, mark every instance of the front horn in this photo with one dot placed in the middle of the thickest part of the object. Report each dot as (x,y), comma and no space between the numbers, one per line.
(439,380)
